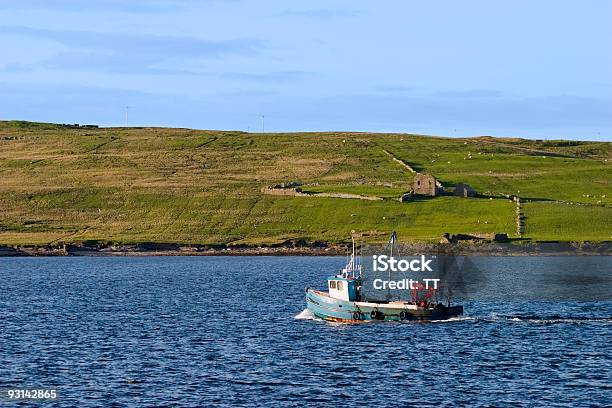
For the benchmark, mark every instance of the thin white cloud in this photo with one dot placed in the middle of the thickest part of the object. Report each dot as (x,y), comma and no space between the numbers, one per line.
(128,6)
(128,53)
(472,93)
(318,14)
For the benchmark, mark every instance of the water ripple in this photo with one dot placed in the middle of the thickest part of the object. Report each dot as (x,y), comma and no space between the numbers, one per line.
(233,332)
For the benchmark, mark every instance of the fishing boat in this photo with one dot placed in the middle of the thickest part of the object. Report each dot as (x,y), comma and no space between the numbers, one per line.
(344,301)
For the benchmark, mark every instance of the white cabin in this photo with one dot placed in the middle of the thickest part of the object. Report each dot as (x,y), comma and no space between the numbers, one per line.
(342,288)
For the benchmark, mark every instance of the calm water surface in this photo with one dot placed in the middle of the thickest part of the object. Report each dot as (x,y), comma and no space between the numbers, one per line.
(231,331)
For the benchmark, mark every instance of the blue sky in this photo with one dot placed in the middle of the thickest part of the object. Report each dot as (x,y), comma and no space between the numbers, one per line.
(516,68)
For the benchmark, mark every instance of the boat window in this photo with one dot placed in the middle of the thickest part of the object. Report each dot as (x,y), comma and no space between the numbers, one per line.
(332,284)
(339,285)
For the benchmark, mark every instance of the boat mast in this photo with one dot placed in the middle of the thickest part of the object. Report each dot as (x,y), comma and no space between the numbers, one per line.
(352,264)
(391,245)
(353,256)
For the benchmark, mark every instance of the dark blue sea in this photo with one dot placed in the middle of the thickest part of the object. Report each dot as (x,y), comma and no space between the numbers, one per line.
(232,331)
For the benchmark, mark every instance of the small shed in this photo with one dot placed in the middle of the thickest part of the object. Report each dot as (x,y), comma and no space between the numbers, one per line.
(426,184)
(464,190)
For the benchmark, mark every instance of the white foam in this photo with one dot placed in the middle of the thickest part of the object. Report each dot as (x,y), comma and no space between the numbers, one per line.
(305,315)
(565,320)
(453,319)
(495,318)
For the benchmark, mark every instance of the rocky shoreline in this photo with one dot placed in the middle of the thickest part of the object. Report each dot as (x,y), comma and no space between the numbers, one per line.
(316,249)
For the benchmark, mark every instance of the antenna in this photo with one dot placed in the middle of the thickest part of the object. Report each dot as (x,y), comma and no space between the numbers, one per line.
(391,244)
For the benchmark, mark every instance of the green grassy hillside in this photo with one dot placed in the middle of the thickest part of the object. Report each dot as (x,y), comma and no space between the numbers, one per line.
(67,184)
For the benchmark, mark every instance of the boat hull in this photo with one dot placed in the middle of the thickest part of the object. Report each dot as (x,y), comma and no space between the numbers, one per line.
(336,310)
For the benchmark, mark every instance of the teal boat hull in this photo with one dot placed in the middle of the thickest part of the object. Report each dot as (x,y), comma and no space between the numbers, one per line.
(327,308)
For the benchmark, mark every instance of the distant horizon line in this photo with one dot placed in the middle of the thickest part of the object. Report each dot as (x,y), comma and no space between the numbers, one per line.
(139,126)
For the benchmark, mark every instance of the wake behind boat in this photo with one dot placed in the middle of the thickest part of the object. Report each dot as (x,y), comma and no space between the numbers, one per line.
(344,301)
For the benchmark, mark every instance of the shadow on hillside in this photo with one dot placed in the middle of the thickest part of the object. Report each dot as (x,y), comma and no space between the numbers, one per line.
(421,198)
(536,199)
(485,196)
(416,167)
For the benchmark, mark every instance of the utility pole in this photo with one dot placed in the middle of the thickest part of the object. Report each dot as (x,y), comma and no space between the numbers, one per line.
(263,124)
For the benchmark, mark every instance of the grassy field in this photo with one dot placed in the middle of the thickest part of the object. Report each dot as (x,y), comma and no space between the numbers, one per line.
(65,184)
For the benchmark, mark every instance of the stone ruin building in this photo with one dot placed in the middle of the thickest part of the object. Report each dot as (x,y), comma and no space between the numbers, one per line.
(427,185)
